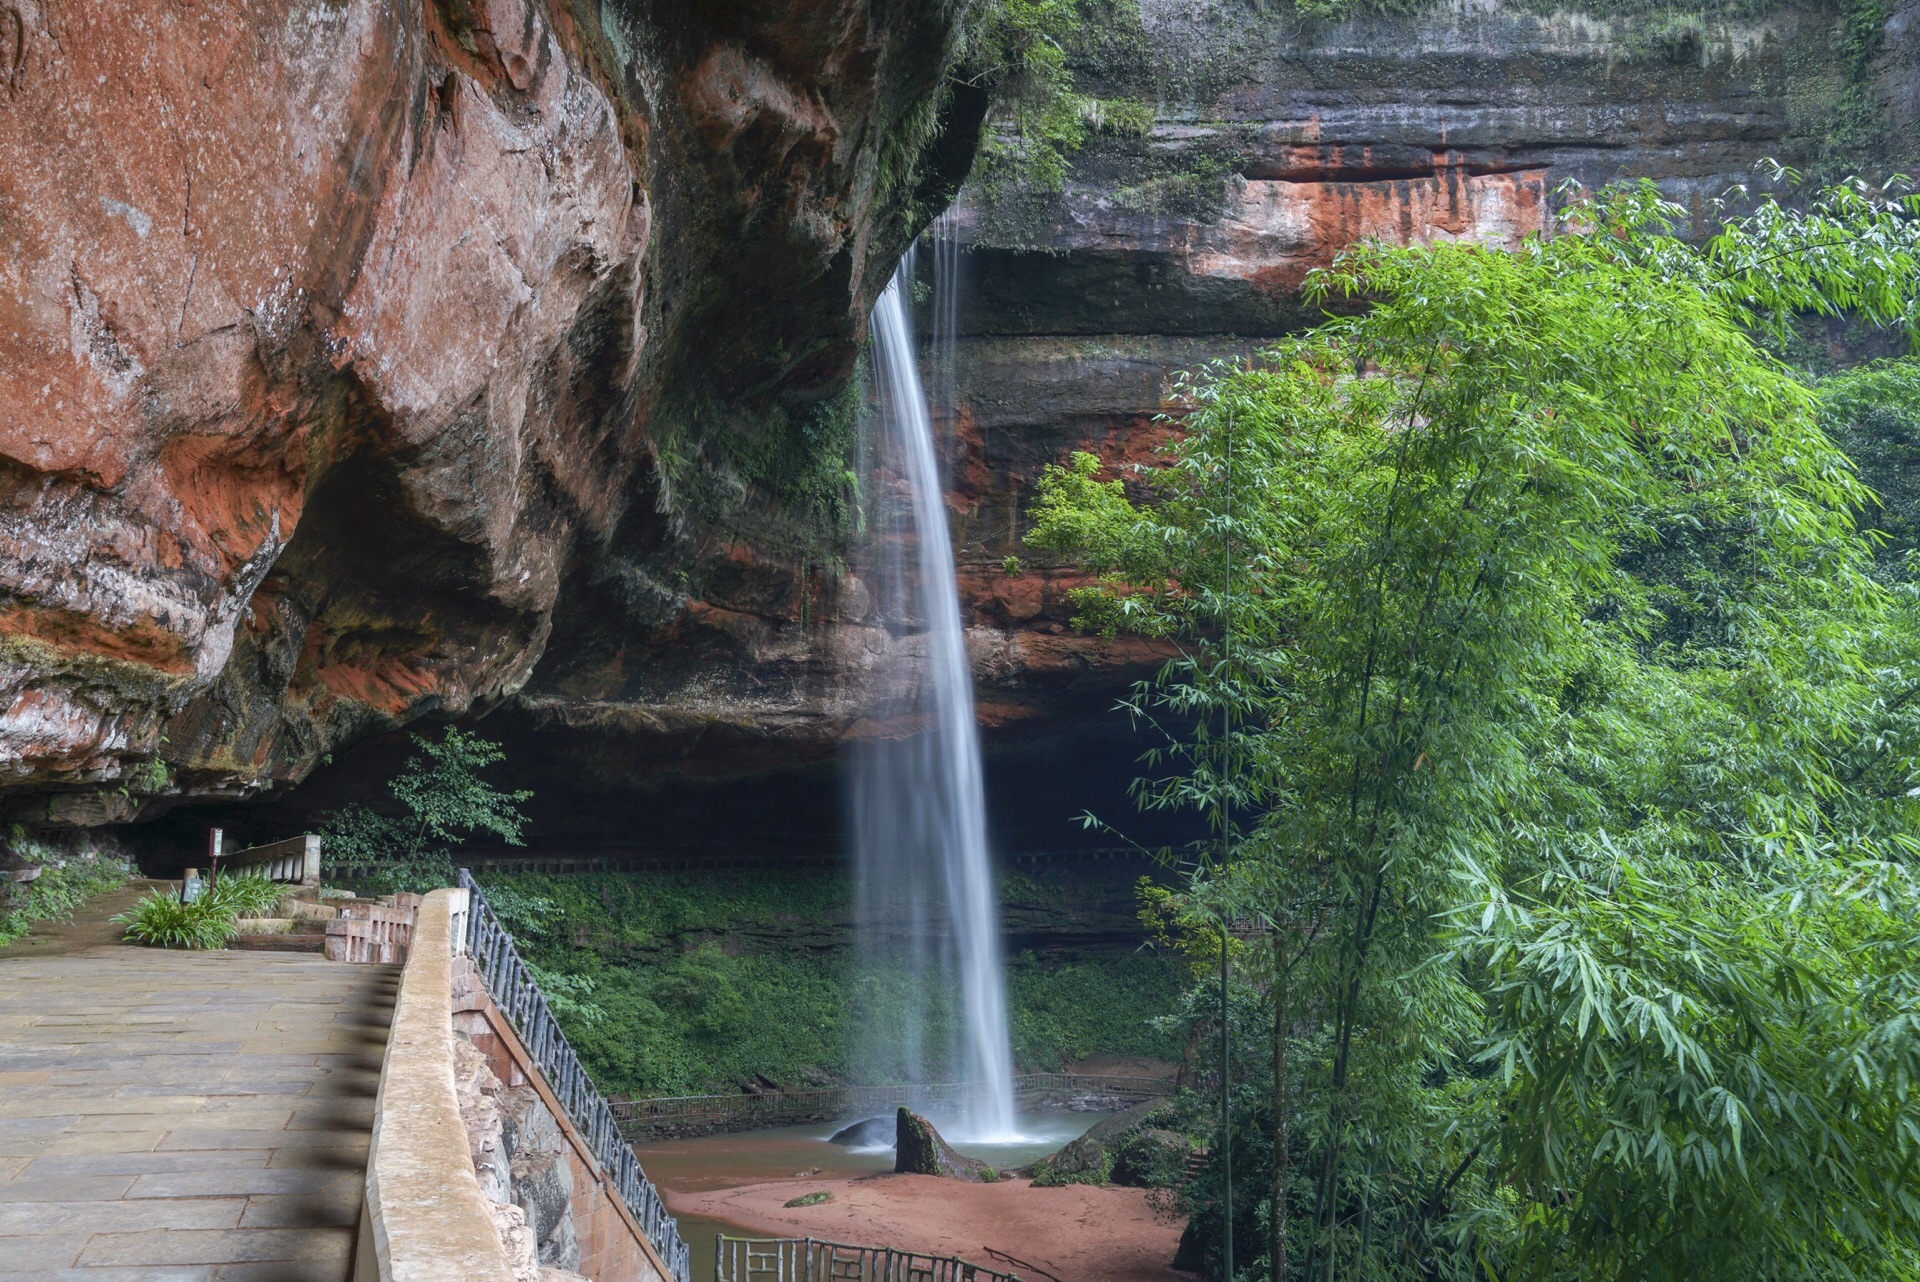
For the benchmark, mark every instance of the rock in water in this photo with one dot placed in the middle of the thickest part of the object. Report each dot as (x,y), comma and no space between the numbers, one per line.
(919,1150)
(874,1132)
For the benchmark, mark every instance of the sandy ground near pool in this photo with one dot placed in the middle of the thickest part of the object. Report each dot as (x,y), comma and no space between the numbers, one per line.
(1074,1234)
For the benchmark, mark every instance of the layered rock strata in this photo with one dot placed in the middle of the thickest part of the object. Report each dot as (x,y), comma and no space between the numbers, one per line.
(1277,139)
(1240,145)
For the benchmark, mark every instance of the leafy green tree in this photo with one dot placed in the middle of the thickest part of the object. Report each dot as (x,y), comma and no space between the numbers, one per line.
(443,801)
(1552,724)
(1873,412)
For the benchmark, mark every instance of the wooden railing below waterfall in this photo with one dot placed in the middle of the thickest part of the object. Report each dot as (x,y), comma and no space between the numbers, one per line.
(650,1118)
(739,1259)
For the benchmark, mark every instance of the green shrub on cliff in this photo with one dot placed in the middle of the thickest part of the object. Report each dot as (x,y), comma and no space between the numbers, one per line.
(1024,53)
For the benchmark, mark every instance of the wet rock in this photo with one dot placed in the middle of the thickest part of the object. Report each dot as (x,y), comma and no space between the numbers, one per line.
(1090,1159)
(920,1150)
(521,1161)
(874,1132)
(516,1239)
(543,1179)
(477,1091)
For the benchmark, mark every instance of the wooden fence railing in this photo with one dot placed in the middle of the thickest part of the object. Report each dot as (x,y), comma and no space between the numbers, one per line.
(774,1107)
(809,1260)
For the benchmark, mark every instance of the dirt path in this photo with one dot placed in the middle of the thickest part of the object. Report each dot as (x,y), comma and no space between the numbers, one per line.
(1074,1234)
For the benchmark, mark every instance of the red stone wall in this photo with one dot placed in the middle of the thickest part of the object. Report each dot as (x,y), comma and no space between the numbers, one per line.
(612,1247)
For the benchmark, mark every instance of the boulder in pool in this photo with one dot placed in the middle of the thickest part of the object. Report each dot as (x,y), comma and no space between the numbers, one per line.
(918,1149)
(874,1132)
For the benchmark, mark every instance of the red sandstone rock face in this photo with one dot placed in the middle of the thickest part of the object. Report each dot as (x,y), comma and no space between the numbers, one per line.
(1298,138)
(1274,230)
(324,341)
(247,243)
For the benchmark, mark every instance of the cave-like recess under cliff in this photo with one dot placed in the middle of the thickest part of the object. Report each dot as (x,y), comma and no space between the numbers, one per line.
(370,361)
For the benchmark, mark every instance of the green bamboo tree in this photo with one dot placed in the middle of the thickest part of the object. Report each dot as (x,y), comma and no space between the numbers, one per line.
(1555,659)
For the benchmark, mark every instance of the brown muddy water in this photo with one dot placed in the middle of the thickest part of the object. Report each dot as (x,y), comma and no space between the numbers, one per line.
(711,1162)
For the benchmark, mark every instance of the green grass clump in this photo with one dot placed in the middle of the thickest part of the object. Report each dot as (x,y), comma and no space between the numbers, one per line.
(1049,1174)
(243,895)
(162,921)
(58,890)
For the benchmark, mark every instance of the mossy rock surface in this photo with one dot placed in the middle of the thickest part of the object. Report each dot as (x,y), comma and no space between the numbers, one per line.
(919,1149)
(1091,1158)
(1150,1158)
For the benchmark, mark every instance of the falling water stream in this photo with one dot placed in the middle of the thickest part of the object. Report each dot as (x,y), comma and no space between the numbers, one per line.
(933,990)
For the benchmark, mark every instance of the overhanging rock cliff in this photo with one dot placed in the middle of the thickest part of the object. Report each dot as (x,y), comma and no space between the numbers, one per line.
(1235,147)
(341,337)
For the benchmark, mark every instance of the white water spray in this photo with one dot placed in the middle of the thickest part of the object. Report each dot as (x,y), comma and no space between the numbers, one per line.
(924,885)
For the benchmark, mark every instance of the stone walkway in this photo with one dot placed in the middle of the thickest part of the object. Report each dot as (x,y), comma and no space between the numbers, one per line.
(183,1117)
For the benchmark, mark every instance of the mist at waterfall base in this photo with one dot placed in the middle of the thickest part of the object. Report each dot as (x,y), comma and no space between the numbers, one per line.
(929,997)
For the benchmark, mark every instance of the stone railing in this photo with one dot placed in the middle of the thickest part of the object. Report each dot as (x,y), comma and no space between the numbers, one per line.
(370,932)
(518,1015)
(426,1217)
(295,860)
(775,1108)
(739,1259)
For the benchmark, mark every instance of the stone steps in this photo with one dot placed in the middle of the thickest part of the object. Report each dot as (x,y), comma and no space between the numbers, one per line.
(279,943)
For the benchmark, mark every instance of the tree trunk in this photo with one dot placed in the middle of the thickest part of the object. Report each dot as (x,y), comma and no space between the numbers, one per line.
(1282,1114)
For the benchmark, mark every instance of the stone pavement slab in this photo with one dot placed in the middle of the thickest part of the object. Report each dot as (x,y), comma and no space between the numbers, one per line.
(184,1117)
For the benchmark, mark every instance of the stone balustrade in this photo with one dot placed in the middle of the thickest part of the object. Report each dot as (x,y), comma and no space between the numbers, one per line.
(370,932)
(425,1218)
(430,1214)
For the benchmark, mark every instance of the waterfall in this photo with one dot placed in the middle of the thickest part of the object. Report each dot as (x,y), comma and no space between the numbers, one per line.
(944,395)
(933,988)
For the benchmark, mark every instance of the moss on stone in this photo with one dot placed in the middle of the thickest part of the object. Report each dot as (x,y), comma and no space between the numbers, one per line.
(1817,57)
(920,1150)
